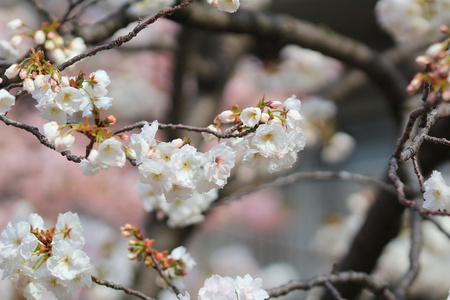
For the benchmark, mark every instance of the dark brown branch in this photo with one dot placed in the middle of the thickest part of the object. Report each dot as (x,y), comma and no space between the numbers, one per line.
(125,38)
(379,289)
(41,10)
(121,288)
(42,139)
(288,30)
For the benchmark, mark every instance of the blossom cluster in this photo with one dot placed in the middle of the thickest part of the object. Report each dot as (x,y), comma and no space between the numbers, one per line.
(180,213)
(437,64)
(40,260)
(413,22)
(437,193)
(278,136)
(174,170)
(227,288)
(173,266)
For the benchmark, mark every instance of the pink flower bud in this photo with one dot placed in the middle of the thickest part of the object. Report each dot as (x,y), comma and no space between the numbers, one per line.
(1,80)
(110,120)
(23,74)
(28,85)
(227,116)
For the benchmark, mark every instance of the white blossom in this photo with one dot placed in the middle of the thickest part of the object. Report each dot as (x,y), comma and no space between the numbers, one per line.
(437,193)
(51,130)
(218,288)
(251,116)
(6,101)
(248,288)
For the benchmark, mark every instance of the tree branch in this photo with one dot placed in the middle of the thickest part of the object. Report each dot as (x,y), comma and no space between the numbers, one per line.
(42,139)
(379,289)
(125,38)
(288,30)
(121,288)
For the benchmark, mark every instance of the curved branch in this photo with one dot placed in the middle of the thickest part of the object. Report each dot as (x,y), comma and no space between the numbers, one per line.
(121,288)
(288,30)
(125,38)
(42,139)
(379,289)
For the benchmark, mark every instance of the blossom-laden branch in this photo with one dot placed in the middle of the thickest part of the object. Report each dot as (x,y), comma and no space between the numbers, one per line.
(379,289)
(125,38)
(42,139)
(220,135)
(121,288)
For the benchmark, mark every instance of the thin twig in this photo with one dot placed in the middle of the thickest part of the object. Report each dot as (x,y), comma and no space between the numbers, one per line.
(42,139)
(416,247)
(121,288)
(333,291)
(221,135)
(418,173)
(161,273)
(125,38)
(379,289)
(71,7)
(41,10)
(438,226)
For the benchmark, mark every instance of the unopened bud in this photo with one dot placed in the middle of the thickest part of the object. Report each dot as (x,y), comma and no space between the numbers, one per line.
(12,71)
(123,137)
(423,60)
(39,37)
(16,40)
(55,75)
(40,81)
(65,81)
(435,49)
(110,120)
(178,143)
(274,104)
(227,116)
(28,85)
